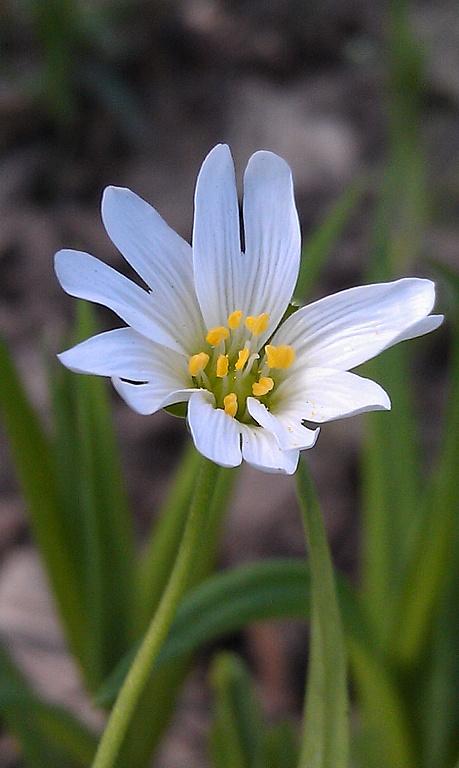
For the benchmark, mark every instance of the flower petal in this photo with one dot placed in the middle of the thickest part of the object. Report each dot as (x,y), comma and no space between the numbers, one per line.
(216,435)
(272,237)
(286,427)
(160,256)
(151,397)
(320,394)
(217,259)
(350,327)
(85,277)
(128,355)
(426,325)
(260,450)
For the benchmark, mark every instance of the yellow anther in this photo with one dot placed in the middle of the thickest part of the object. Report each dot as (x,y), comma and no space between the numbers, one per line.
(222,366)
(234,319)
(280,357)
(243,356)
(257,323)
(216,335)
(262,387)
(197,363)
(230,404)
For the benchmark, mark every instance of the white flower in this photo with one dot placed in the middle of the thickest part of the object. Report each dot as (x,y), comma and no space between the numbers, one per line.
(206,331)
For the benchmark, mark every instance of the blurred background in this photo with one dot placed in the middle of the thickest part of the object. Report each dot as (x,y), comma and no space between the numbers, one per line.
(135,93)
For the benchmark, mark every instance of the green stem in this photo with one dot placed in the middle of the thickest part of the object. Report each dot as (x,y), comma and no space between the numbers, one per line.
(325,738)
(139,673)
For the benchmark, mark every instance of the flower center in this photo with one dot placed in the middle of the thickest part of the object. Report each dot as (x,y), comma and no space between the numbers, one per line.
(232,368)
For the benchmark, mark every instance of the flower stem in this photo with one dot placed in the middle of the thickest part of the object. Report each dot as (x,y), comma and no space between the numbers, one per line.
(325,737)
(142,665)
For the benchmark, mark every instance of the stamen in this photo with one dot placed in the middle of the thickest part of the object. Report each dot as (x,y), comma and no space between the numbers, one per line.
(230,404)
(222,366)
(262,387)
(197,363)
(216,335)
(257,324)
(243,356)
(280,357)
(234,319)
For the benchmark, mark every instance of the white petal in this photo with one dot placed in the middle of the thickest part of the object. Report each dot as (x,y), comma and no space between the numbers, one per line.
(426,325)
(272,237)
(160,256)
(216,435)
(260,449)
(128,355)
(350,327)
(286,427)
(320,394)
(151,397)
(217,259)
(85,277)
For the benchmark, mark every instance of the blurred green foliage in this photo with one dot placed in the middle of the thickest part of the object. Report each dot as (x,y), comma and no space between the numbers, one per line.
(78,52)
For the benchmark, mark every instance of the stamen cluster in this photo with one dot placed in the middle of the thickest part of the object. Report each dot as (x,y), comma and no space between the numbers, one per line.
(233,369)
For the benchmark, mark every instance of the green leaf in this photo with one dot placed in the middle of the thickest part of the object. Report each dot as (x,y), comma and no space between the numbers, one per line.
(440,672)
(392,514)
(230,600)
(34,464)
(225,603)
(48,735)
(320,244)
(431,557)
(391,468)
(66,457)
(441,707)
(108,545)
(281,746)
(160,697)
(159,552)
(385,728)
(325,739)
(237,733)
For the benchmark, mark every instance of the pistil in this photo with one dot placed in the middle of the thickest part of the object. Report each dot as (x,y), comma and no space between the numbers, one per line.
(233,363)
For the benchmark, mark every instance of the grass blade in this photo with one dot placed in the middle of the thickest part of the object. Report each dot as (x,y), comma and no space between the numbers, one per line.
(159,699)
(319,245)
(108,543)
(47,734)
(228,601)
(34,463)
(391,465)
(385,723)
(391,485)
(237,733)
(325,739)
(155,563)
(281,746)
(432,556)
